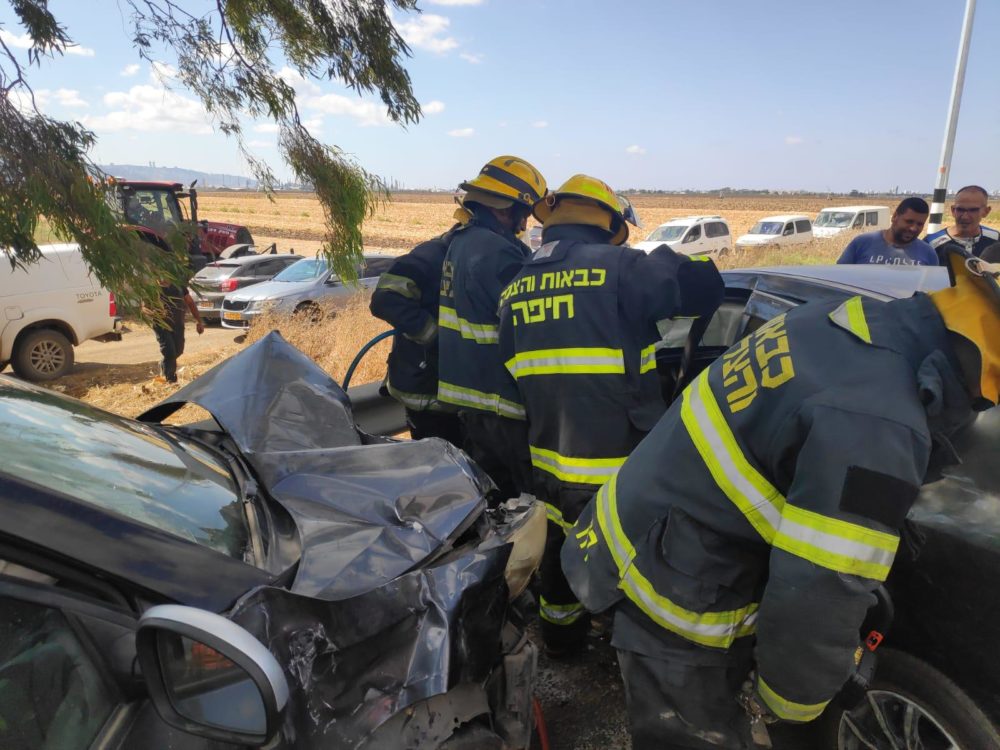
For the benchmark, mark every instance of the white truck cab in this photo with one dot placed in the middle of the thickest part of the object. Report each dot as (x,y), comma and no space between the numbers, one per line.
(836,219)
(782,229)
(48,308)
(690,235)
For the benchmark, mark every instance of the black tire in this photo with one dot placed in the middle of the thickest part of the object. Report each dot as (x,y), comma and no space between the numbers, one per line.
(309,311)
(910,693)
(42,354)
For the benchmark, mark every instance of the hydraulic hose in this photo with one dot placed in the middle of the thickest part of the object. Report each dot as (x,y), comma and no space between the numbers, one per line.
(361,353)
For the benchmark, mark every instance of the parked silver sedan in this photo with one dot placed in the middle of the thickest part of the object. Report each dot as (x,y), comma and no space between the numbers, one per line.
(301,288)
(213,282)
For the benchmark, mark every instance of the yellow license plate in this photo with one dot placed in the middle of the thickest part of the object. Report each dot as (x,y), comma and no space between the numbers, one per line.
(232,316)
(205,304)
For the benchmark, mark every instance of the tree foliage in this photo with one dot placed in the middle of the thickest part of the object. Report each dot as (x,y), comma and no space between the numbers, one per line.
(228,53)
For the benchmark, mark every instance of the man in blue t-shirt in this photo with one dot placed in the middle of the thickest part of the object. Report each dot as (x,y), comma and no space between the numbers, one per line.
(898,245)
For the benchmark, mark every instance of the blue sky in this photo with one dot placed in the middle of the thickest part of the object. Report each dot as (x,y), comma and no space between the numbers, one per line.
(641,93)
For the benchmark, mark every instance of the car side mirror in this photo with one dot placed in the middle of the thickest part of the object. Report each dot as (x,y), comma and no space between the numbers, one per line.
(690,238)
(209,677)
(788,232)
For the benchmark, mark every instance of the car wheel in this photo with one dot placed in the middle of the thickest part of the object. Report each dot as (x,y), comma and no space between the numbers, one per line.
(910,704)
(309,311)
(724,250)
(42,354)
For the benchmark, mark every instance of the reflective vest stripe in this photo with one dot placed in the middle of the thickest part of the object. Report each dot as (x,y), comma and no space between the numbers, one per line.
(450,393)
(426,334)
(553,514)
(717,629)
(825,541)
(594,471)
(835,544)
(647,359)
(570,361)
(559,614)
(481,333)
(851,315)
(414,401)
(786,709)
(406,287)
(756,498)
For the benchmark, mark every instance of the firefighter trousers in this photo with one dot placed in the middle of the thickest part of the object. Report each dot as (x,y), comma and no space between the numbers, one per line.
(500,447)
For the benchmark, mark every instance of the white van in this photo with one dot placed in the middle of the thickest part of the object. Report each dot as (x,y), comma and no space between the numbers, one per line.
(783,229)
(48,308)
(836,219)
(690,235)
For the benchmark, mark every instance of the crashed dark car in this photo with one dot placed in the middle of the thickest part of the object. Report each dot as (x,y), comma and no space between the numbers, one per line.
(271,576)
(937,683)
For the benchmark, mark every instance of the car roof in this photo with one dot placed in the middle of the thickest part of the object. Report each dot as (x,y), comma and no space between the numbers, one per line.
(150,184)
(245,259)
(853,208)
(883,281)
(784,217)
(689,219)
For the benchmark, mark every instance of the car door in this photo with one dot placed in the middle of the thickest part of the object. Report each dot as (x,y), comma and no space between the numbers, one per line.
(717,234)
(803,230)
(693,242)
(67,674)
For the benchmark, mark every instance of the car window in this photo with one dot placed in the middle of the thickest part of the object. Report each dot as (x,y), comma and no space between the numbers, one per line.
(217,271)
(858,221)
(766,227)
(52,695)
(305,269)
(803,225)
(722,330)
(716,229)
(375,267)
(121,466)
(268,268)
(871,219)
(694,235)
(789,229)
(152,208)
(667,233)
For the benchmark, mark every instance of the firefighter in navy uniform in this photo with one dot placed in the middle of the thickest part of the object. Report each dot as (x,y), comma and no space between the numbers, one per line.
(753,523)
(407,298)
(481,260)
(577,332)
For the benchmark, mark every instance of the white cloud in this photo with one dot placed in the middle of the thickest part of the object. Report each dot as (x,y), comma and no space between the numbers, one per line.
(69,98)
(151,108)
(160,71)
(471,58)
(427,31)
(297,81)
(432,108)
(540,124)
(130,70)
(793,140)
(260,144)
(313,124)
(462,132)
(367,113)
(24,42)
(454,2)
(266,127)
(635,149)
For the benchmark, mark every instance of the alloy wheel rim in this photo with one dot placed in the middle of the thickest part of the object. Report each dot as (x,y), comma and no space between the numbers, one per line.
(890,721)
(47,357)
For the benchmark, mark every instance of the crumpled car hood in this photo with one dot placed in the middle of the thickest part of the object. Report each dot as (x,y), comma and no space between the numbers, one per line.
(366,512)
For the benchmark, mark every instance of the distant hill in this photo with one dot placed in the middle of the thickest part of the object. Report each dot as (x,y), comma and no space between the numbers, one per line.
(178,174)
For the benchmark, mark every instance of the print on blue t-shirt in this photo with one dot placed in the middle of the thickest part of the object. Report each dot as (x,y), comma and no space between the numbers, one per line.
(871,247)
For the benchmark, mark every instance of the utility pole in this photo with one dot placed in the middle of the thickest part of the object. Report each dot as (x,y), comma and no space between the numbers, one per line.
(941,187)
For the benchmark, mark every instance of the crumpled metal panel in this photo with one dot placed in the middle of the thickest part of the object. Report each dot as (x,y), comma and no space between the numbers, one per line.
(365,514)
(351,665)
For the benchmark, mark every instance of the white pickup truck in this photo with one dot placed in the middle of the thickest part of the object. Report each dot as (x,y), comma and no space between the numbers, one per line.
(48,308)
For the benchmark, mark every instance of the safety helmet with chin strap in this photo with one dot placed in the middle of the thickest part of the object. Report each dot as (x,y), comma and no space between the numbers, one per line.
(584,200)
(970,308)
(504,181)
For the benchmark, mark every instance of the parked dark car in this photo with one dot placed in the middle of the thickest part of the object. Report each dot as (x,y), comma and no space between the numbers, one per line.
(938,678)
(366,588)
(213,282)
(308,287)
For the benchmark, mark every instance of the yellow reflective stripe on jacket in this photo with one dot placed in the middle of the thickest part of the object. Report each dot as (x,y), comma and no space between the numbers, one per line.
(748,490)
(559,614)
(717,629)
(594,471)
(450,393)
(553,514)
(851,316)
(390,282)
(415,401)
(786,709)
(481,333)
(825,541)
(647,359)
(568,361)
(835,544)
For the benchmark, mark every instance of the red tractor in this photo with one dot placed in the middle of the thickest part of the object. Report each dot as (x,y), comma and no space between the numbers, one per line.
(154,209)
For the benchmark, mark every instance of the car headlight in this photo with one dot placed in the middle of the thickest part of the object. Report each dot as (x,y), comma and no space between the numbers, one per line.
(526,532)
(254,305)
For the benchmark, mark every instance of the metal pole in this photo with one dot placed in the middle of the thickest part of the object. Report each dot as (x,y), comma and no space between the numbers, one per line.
(941,187)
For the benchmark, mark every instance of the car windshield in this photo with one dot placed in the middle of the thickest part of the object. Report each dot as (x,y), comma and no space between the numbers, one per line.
(834,219)
(155,209)
(306,269)
(667,233)
(122,466)
(767,227)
